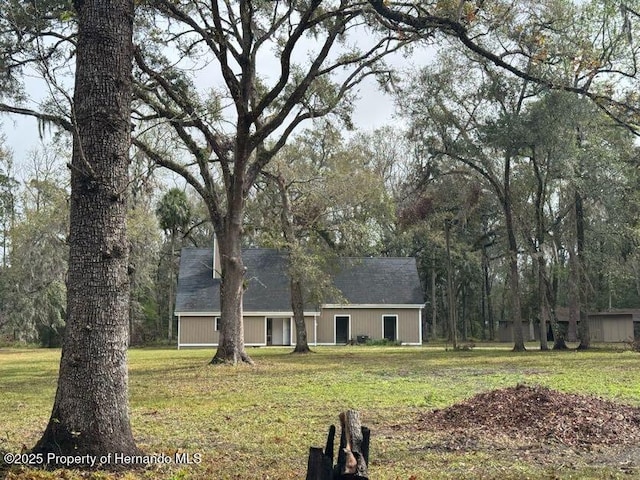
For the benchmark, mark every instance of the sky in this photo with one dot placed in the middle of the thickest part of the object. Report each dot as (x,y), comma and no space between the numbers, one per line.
(373,109)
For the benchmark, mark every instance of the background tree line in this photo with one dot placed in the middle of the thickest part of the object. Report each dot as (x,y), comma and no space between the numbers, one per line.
(224,142)
(436,189)
(34,209)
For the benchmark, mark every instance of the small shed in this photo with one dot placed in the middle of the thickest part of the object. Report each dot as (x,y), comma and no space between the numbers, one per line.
(612,326)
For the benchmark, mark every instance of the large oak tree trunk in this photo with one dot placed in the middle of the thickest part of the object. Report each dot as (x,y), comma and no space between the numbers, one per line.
(297,305)
(231,343)
(90,412)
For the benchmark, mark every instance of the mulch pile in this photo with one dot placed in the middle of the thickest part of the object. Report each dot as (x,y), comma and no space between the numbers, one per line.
(537,414)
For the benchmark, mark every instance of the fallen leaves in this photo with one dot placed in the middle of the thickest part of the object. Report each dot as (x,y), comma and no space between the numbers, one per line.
(536,414)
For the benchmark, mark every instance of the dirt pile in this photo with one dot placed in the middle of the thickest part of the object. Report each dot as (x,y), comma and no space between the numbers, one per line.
(537,414)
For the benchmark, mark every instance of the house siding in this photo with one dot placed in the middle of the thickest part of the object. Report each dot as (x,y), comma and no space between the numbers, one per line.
(310,324)
(197,331)
(368,321)
(611,328)
(529,332)
(325,328)
(255,331)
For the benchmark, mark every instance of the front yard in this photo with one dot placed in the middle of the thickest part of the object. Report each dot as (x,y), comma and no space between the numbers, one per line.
(258,422)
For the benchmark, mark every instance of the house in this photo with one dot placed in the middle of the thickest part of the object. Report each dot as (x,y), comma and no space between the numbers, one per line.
(382,298)
(613,326)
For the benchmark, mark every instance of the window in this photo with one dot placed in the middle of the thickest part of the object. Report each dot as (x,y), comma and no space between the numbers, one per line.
(216,324)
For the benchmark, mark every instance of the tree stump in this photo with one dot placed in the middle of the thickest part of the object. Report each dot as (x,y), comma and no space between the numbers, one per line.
(353,454)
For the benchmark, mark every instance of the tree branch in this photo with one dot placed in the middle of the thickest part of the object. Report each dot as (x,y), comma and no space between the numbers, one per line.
(44,117)
(427,23)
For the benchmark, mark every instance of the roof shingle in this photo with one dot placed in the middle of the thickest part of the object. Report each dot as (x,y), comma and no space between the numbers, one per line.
(367,280)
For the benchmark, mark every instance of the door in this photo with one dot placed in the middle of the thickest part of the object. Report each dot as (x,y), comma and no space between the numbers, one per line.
(342,329)
(286,331)
(278,331)
(269,331)
(390,327)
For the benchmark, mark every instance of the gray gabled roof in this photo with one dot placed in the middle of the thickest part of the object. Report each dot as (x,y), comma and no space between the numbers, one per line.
(371,281)
(379,280)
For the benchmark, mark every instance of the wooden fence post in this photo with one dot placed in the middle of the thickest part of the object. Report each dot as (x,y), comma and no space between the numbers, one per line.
(353,454)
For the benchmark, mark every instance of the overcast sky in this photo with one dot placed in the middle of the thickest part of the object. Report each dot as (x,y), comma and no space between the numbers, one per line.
(374,109)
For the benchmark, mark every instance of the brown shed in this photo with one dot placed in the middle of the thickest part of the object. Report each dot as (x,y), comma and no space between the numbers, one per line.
(612,326)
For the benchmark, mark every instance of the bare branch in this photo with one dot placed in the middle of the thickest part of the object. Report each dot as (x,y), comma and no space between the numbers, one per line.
(56,120)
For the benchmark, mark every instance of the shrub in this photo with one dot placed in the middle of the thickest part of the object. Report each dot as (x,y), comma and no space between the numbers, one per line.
(634,345)
(383,342)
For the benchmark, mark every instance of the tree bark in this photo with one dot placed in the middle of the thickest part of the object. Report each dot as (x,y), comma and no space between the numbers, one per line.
(90,412)
(231,342)
(584,333)
(451,298)
(465,318)
(297,293)
(172,280)
(353,453)
(543,301)
(434,300)
(297,306)
(574,292)
(559,341)
(487,312)
(514,274)
(514,296)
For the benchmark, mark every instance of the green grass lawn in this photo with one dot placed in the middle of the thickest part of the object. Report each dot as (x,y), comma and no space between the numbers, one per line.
(258,422)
